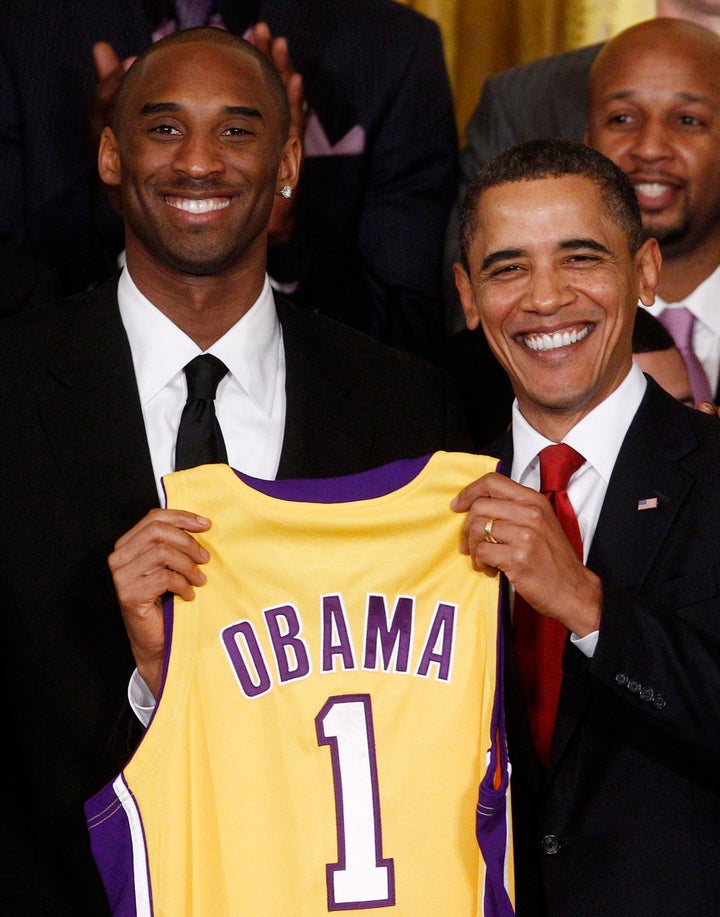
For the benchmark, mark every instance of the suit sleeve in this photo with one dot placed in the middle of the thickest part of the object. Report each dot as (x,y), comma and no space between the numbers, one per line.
(407,201)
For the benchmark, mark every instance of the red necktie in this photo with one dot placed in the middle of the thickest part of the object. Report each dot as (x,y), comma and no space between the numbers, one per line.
(539,641)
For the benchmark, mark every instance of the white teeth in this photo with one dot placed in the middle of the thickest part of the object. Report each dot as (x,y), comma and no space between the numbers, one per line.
(651,189)
(198,206)
(543,342)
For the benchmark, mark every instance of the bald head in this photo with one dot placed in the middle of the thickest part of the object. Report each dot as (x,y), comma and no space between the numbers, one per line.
(664,35)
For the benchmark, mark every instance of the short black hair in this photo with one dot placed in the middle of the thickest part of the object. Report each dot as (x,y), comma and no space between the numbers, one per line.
(216,36)
(555,158)
(649,333)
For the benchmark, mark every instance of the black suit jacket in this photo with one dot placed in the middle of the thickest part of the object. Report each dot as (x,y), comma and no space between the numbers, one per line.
(626,819)
(75,473)
(368,243)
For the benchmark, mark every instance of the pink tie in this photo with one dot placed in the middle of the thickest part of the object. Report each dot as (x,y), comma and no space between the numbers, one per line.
(680,323)
(539,641)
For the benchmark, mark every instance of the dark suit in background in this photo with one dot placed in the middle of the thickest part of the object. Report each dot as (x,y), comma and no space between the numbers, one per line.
(371,220)
(75,474)
(631,798)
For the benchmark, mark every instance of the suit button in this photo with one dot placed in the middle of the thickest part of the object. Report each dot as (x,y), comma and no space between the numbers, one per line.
(550,844)
(647,694)
(659,702)
(633,687)
(621,679)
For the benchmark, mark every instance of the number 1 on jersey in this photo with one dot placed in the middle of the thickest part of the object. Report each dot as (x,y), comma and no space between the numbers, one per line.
(361,878)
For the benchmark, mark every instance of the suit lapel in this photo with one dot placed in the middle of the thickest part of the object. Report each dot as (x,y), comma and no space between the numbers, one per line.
(649,471)
(92,417)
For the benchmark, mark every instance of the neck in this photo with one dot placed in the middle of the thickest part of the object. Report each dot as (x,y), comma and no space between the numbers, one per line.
(681,274)
(203,307)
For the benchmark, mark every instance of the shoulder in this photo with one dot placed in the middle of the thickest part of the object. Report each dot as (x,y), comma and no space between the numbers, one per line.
(56,327)
(337,349)
(571,66)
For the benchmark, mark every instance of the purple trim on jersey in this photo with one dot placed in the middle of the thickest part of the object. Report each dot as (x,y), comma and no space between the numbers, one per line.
(365,485)
(492,815)
(112,849)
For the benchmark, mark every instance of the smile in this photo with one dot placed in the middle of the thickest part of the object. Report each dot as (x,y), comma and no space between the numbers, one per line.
(204,205)
(651,189)
(545,342)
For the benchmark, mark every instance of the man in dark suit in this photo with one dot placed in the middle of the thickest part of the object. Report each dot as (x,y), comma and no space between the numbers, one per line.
(380,168)
(93,391)
(619,814)
(544,98)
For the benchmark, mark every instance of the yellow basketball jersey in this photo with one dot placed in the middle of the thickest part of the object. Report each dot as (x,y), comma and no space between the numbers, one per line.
(329,735)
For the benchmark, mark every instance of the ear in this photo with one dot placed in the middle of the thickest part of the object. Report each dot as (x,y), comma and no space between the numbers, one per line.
(467,296)
(647,262)
(290,161)
(109,158)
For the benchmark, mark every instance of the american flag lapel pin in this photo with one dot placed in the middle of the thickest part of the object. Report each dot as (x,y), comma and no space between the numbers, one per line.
(648,503)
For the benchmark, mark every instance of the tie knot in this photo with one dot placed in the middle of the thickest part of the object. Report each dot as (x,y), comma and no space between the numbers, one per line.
(203,375)
(558,464)
(680,323)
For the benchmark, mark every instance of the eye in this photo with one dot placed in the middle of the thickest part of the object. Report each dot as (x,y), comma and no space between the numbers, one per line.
(690,121)
(504,272)
(166,130)
(620,119)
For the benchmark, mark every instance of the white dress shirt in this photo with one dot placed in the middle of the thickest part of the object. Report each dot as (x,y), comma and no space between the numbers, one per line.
(250,400)
(703,303)
(598,437)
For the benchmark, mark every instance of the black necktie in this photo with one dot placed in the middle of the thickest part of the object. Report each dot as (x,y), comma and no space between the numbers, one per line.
(200,440)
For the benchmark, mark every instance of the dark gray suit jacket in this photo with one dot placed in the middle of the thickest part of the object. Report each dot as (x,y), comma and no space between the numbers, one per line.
(626,819)
(75,474)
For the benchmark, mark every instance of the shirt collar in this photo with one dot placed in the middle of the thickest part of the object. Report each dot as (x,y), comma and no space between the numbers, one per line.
(598,436)
(702,302)
(160,349)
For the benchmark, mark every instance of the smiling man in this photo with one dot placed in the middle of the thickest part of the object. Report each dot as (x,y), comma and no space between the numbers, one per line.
(654,109)
(94,390)
(613,685)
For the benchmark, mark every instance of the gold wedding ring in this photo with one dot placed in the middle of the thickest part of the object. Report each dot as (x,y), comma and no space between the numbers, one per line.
(489,537)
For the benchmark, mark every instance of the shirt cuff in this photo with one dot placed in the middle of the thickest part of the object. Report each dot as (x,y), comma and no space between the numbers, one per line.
(585,644)
(141,699)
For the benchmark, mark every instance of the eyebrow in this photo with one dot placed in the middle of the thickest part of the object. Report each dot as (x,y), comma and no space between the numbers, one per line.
(154,108)
(507,254)
(626,94)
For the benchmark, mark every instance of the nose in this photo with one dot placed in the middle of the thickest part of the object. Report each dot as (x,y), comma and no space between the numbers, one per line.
(548,291)
(652,141)
(198,156)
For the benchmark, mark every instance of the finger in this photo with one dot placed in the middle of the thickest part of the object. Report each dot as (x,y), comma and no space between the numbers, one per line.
(281,58)
(467,496)
(105,59)
(140,596)
(261,37)
(173,518)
